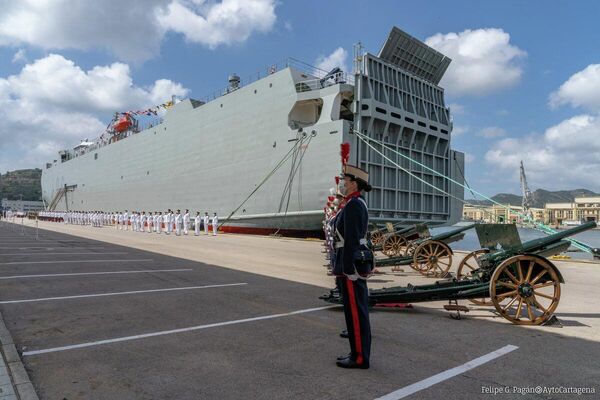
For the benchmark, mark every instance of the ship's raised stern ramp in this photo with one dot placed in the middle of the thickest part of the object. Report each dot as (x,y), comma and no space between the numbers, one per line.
(399,103)
(414,56)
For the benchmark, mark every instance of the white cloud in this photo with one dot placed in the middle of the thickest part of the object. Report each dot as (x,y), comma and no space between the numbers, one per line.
(459,130)
(227,22)
(132,30)
(582,89)
(567,155)
(53,103)
(19,56)
(491,132)
(483,61)
(457,109)
(337,58)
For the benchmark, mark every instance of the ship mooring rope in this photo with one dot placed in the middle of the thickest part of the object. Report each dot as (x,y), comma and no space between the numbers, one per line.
(540,226)
(281,162)
(296,164)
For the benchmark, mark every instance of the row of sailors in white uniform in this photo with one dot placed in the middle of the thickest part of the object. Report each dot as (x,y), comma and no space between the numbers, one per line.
(139,222)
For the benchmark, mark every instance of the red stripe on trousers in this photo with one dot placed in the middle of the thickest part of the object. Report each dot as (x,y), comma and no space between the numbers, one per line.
(354,312)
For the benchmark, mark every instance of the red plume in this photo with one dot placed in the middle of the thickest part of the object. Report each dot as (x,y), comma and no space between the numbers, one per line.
(330,198)
(337,180)
(345,152)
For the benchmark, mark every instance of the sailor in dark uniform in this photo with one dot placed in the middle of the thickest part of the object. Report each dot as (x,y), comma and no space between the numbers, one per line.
(354,263)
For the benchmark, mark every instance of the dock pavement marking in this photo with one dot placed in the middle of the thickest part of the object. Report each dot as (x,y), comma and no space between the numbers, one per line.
(81,296)
(58,254)
(445,375)
(173,331)
(71,261)
(95,273)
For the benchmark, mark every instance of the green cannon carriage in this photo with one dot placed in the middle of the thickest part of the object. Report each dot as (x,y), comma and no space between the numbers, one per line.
(521,283)
(394,242)
(428,255)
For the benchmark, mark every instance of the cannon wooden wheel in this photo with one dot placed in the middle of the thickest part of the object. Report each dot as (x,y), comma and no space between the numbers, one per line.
(432,258)
(410,249)
(465,269)
(393,245)
(376,238)
(525,289)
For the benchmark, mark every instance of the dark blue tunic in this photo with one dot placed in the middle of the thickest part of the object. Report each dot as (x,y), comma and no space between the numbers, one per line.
(351,223)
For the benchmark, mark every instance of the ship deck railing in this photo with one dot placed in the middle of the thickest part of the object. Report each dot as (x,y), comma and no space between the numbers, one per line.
(319,83)
(315,72)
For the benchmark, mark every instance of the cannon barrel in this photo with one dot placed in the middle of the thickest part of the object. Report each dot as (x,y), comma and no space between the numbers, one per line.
(453,232)
(405,230)
(536,244)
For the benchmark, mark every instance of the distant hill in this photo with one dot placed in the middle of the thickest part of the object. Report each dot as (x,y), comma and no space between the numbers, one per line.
(26,182)
(540,197)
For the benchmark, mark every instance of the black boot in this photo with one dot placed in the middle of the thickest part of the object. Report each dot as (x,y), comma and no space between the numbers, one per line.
(344,334)
(340,358)
(350,363)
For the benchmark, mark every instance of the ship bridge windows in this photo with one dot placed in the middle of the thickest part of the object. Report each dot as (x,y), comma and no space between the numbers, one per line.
(305,113)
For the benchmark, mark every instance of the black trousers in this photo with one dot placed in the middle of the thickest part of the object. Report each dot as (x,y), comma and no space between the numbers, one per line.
(355,296)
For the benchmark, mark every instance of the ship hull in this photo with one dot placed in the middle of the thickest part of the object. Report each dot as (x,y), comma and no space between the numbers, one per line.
(210,158)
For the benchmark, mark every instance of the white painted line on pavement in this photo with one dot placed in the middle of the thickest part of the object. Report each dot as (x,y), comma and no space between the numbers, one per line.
(173,331)
(95,273)
(81,296)
(58,254)
(39,247)
(442,376)
(71,261)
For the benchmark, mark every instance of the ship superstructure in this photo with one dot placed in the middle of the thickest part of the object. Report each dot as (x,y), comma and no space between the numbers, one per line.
(270,148)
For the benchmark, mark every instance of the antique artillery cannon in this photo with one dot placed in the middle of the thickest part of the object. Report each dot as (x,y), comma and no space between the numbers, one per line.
(395,242)
(522,284)
(429,255)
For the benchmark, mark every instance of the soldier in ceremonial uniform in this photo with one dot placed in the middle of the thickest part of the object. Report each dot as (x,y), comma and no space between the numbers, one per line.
(205,223)
(197,222)
(354,263)
(215,224)
(178,223)
(186,222)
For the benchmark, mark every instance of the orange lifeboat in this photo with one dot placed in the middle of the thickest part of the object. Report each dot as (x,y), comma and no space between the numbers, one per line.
(122,124)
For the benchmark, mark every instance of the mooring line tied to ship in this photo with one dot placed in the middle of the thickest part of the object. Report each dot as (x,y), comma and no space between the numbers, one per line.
(296,153)
(538,225)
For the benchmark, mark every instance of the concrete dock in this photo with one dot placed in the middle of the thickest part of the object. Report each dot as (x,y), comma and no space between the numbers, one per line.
(99,313)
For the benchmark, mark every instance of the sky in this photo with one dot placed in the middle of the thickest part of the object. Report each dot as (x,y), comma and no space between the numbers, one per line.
(524,83)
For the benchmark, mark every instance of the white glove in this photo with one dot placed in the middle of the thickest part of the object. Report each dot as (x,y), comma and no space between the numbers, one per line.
(353,277)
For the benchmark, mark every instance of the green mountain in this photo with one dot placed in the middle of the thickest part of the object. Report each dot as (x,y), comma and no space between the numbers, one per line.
(25,182)
(540,197)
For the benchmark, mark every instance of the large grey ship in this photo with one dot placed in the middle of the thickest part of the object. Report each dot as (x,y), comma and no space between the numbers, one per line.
(211,155)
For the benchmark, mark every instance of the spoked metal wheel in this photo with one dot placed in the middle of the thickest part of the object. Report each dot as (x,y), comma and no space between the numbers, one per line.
(432,258)
(465,270)
(377,238)
(525,289)
(394,245)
